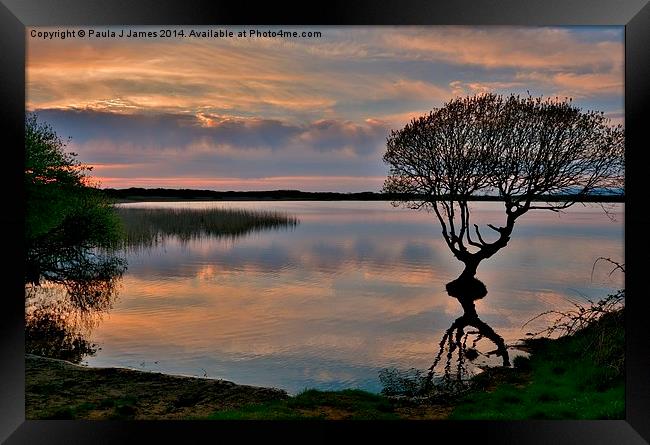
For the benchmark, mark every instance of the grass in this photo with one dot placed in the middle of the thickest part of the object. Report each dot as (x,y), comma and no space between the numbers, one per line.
(352,404)
(573,377)
(143,227)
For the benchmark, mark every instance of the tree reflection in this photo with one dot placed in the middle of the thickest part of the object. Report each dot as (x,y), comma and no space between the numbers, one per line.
(528,153)
(50,331)
(67,287)
(70,276)
(59,317)
(466,290)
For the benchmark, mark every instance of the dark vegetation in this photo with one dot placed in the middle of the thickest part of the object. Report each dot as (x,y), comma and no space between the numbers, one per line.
(145,227)
(350,404)
(135,194)
(68,226)
(578,376)
(66,220)
(55,389)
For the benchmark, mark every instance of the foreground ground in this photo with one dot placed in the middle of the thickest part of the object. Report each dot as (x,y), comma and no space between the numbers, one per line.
(60,389)
(56,389)
(575,377)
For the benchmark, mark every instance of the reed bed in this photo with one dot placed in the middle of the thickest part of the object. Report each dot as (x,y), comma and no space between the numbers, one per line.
(144,227)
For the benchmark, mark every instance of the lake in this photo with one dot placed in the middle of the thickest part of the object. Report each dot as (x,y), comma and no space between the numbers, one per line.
(354,288)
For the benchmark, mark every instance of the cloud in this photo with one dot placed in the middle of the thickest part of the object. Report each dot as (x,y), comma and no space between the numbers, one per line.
(387,67)
(577,85)
(217,150)
(204,130)
(550,61)
(330,134)
(166,76)
(511,47)
(256,109)
(460,88)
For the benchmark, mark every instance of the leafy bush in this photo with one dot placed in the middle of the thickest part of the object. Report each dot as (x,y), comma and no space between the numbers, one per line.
(66,218)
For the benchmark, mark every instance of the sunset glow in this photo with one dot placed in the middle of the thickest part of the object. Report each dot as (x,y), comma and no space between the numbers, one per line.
(308,114)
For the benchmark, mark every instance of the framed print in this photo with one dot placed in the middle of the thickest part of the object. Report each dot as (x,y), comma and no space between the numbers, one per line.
(386,219)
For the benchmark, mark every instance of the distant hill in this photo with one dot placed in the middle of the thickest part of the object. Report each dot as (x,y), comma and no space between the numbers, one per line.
(164,194)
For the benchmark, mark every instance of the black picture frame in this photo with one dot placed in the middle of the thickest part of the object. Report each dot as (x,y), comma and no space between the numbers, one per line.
(15,15)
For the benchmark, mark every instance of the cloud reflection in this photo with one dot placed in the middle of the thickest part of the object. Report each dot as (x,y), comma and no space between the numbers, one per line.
(341,301)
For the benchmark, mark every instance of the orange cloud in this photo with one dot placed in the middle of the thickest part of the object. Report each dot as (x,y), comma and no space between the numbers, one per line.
(512,47)
(255,76)
(578,85)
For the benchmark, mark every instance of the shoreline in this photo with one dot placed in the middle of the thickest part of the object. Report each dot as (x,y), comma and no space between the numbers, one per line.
(563,378)
(53,386)
(58,389)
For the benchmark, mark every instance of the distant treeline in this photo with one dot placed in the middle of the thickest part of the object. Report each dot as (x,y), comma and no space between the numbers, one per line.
(163,194)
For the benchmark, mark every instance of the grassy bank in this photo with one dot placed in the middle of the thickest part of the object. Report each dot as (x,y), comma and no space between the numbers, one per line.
(574,377)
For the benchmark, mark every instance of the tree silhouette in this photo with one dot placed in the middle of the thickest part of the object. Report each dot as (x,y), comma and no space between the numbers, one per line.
(67,222)
(70,263)
(532,153)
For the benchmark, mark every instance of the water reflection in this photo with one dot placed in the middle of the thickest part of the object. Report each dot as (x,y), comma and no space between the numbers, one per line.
(49,333)
(70,286)
(59,317)
(354,288)
(69,283)
(467,290)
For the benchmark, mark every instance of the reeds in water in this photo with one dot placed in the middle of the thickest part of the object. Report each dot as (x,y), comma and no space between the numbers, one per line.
(144,227)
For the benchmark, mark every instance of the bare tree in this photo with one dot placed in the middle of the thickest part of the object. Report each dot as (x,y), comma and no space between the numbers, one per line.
(532,153)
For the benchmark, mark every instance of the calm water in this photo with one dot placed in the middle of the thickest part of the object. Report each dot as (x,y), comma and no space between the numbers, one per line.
(354,288)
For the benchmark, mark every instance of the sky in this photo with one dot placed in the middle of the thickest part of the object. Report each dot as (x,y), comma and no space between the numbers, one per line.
(292,113)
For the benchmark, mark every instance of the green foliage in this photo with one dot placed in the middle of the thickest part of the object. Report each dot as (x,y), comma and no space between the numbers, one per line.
(52,176)
(58,191)
(65,217)
(123,408)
